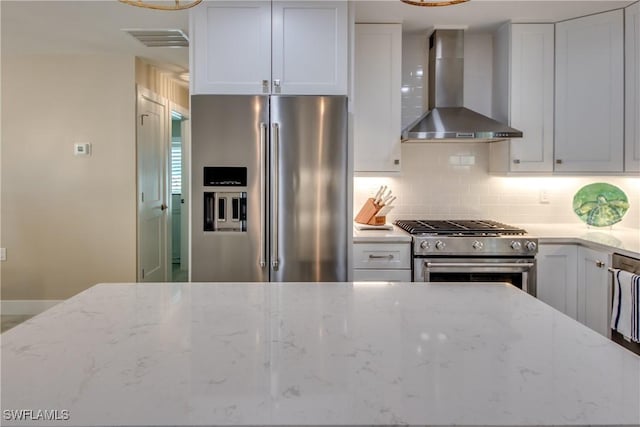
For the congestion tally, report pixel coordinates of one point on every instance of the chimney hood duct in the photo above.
(447, 120)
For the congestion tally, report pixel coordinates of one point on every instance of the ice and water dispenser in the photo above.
(224, 209)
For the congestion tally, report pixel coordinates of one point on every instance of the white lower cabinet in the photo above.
(381, 275)
(574, 279)
(594, 295)
(557, 283)
(388, 262)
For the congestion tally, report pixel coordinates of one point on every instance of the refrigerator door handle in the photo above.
(262, 243)
(275, 262)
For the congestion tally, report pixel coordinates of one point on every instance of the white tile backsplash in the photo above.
(434, 184)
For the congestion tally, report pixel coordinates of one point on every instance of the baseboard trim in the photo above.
(15, 307)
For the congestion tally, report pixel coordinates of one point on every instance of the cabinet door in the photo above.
(310, 48)
(589, 94)
(382, 256)
(532, 78)
(594, 295)
(557, 277)
(381, 275)
(632, 88)
(231, 47)
(377, 107)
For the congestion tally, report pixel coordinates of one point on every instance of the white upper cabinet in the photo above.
(377, 110)
(310, 47)
(589, 133)
(632, 88)
(259, 47)
(525, 76)
(231, 47)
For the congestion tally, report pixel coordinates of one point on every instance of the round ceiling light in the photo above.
(163, 5)
(433, 3)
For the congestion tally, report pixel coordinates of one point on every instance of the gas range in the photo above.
(472, 251)
(468, 238)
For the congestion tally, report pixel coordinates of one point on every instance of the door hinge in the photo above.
(142, 195)
(143, 273)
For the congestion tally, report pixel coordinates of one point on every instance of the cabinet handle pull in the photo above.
(381, 256)
(275, 218)
(600, 264)
(516, 161)
(263, 215)
(276, 85)
(265, 86)
(558, 161)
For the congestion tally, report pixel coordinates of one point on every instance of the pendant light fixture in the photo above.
(163, 5)
(433, 3)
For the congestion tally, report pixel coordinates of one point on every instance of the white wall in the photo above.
(451, 180)
(67, 222)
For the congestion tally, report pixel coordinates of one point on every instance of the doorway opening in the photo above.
(179, 212)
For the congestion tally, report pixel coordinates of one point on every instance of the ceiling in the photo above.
(479, 15)
(84, 26)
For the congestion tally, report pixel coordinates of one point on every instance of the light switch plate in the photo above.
(82, 149)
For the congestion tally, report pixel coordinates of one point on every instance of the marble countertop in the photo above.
(321, 354)
(395, 235)
(621, 240)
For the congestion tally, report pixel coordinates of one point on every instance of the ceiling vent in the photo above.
(160, 38)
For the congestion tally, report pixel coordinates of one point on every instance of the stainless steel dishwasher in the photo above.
(622, 262)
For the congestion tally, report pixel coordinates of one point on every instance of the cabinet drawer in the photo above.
(382, 255)
(381, 275)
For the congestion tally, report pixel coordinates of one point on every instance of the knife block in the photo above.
(367, 214)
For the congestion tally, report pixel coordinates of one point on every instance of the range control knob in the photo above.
(424, 245)
(440, 245)
(531, 246)
(477, 245)
(516, 246)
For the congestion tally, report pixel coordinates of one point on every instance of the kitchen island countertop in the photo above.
(309, 353)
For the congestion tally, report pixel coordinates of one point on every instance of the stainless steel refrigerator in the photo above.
(269, 188)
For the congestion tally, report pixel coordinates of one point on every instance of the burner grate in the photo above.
(458, 227)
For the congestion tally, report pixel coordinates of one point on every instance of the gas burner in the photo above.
(459, 228)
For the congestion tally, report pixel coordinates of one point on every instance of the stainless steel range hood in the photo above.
(447, 120)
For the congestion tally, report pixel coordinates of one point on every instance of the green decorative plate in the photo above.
(600, 204)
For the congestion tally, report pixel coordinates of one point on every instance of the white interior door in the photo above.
(152, 141)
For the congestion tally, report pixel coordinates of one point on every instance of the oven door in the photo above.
(520, 272)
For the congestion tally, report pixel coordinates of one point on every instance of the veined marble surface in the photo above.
(395, 235)
(321, 354)
(622, 240)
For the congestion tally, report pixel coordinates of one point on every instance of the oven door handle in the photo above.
(484, 265)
